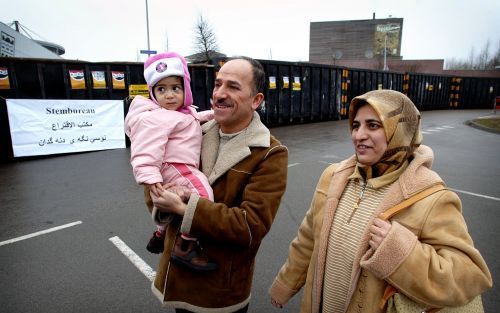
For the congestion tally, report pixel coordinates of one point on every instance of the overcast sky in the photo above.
(115, 30)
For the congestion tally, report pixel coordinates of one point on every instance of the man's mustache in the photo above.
(220, 101)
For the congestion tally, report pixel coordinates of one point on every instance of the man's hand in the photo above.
(183, 192)
(170, 202)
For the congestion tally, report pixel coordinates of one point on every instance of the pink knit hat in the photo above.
(164, 65)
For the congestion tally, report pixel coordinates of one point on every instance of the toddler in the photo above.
(165, 136)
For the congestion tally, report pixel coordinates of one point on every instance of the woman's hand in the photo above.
(276, 304)
(378, 231)
(170, 202)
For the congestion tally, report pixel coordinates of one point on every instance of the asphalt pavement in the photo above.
(73, 228)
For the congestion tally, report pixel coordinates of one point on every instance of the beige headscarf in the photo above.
(401, 121)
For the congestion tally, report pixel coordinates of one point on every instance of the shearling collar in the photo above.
(380, 181)
(415, 177)
(238, 148)
(419, 176)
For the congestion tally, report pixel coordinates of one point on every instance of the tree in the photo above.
(484, 56)
(482, 61)
(495, 59)
(205, 40)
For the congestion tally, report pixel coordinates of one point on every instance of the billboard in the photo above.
(390, 32)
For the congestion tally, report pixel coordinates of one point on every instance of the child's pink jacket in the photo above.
(159, 136)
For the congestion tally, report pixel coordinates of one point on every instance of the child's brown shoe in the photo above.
(189, 254)
(155, 244)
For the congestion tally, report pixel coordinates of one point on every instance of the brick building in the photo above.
(333, 41)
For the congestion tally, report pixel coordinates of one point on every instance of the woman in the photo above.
(344, 255)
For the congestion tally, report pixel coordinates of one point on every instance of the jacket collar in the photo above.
(408, 178)
(417, 177)
(238, 148)
(380, 181)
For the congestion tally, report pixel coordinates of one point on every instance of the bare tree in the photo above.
(484, 56)
(482, 61)
(205, 40)
(495, 59)
(470, 63)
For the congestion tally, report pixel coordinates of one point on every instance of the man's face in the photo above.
(233, 98)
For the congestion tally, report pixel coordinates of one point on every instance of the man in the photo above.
(247, 169)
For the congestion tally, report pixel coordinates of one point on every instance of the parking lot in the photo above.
(73, 228)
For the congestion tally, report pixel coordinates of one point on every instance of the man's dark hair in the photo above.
(259, 76)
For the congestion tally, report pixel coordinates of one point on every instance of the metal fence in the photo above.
(296, 92)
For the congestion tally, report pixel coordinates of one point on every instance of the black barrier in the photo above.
(361, 81)
(269, 113)
(325, 112)
(202, 84)
(478, 93)
(6, 153)
(315, 94)
(284, 95)
(306, 95)
(295, 92)
(430, 92)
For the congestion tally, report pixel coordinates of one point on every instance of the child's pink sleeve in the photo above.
(205, 116)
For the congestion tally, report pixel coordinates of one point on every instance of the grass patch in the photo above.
(493, 123)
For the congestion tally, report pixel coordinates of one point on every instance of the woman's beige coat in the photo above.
(440, 268)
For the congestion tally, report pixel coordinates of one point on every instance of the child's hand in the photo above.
(169, 202)
(156, 189)
(181, 191)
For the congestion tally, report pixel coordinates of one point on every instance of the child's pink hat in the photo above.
(164, 65)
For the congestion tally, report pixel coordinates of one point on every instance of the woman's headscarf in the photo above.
(401, 121)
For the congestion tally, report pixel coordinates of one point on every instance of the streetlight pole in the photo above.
(385, 53)
(147, 23)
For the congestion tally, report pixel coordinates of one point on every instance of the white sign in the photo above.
(41, 127)
(7, 45)
(387, 28)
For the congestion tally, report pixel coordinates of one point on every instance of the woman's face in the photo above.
(368, 136)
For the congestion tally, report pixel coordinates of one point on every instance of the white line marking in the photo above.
(449, 127)
(476, 194)
(425, 133)
(324, 162)
(440, 128)
(331, 156)
(432, 130)
(293, 164)
(38, 233)
(143, 267)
